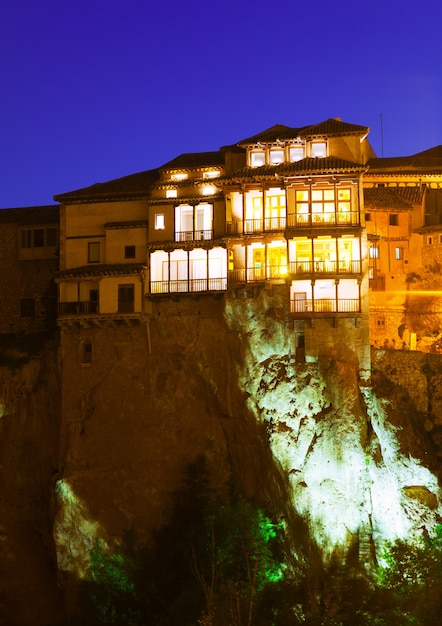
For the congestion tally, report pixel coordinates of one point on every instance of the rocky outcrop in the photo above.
(29, 444)
(92, 450)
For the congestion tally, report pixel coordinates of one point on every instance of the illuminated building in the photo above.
(403, 216)
(281, 210)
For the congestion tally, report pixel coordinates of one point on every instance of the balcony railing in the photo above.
(188, 286)
(193, 235)
(325, 267)
(78, 308)
(326, 305)
(268, 224)
(254, 275)
(299, 220)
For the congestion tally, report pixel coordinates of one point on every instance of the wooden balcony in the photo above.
(195, 285)
(194, 235)
(247, 227)
(256, 275)
(78, 308)
(312, 220)
(325, 267)
(325, 305)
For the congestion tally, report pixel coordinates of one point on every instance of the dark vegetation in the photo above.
(225, 562)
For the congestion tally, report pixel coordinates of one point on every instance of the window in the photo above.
(296, 153)
(440, 238)
(367, 217)
(39, 238)
(429, 240)
(398, 253)
(180, 176)
(257, 159)
(129, 252)
(374, 252)
(213, 174)
(276, 157)
(193, 222)
(159, 221)
(93, 254)
(319, 149)
(393, 219)
(126, 298)
(26, 238)
(27, 307)
(171, 193)
(208, 190)
(86, 352)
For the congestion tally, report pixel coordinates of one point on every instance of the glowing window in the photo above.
(398, 253)
(159, 221)
(93, 255)
(276, 157)
(319, 149)
(208, 190)
(171, 193)
(257, 159)
(374, 252)
(296, 153)
(181, 176)
(213, 174)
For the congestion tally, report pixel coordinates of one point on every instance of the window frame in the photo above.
(91, 256)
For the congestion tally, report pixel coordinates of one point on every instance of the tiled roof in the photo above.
(403, 166)
(330, 127)
(431, 152)
(384, 198)
(135, 185)
(278, 131)
(195, 159)
(100, 270)
(31, 215)
(185, 199)
(303, 167)
(333, 126)
(434, 228)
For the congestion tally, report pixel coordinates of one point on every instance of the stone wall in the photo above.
(413, 382)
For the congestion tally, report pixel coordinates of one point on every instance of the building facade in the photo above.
(310, 212)
(28, 263)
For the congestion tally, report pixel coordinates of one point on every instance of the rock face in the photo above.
(29, 441)
(103, 447)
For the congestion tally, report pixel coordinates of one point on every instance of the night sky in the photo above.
(96, 89)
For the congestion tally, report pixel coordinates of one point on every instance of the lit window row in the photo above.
(291, 154)
(207, 190)
(179, 176)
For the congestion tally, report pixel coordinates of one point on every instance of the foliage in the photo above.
(410, 581)
(219, 562)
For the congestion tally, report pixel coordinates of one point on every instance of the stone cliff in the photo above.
(91, 450)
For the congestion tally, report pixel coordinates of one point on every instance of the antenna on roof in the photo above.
(382, 137)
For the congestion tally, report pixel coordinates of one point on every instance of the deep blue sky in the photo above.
(96, 89)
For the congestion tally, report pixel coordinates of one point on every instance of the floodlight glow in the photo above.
(316, 423)
(75, 532)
